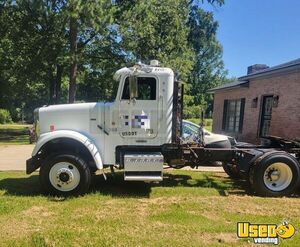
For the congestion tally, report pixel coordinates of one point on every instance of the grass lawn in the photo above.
(186, 209)
(14, 134)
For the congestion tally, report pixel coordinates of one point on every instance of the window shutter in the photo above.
(224, 114)
(242, 115)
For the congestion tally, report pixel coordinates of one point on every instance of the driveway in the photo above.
(13, 158)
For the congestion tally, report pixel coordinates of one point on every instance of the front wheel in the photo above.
(64, 175)
(276, 175)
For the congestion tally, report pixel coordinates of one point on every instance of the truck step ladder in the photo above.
(143, 166)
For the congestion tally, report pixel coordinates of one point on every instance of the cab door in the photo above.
(139, 115)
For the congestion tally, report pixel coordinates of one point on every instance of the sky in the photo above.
(257, 32)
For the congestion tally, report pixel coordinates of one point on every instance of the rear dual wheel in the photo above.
(278, 174)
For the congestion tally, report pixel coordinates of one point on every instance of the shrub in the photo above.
(207, 122)
(5, 116)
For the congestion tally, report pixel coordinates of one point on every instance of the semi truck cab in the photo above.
(128, 132)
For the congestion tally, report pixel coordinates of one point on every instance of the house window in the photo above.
(233, 115)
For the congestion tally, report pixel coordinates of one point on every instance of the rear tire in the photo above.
(230, 171)
(276, 175)
(65, 175)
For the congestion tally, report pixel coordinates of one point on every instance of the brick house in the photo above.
(266, 101)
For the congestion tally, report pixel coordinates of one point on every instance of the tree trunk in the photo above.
(73, 51)
(59, 73)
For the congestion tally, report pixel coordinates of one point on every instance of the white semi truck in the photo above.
(140, 132)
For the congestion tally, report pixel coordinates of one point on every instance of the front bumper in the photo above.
(32, 164)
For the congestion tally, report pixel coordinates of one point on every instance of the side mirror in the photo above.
(133, 89)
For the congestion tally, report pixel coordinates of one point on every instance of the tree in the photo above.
(36, 36)
(208, 70)
(49, 48)
(88, 21)
(101, 60)
(152, 30)
(213, 2)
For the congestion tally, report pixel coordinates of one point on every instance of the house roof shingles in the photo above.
(293, 63)
(230, 85)
(243, 80)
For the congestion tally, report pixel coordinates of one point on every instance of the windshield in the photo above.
(192, 129)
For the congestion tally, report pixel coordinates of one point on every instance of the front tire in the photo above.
(276, 175)
(65, 175)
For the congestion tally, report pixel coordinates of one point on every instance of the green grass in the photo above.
(186, 209)
(14, 134)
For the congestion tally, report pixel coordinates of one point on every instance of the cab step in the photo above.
(143, 166)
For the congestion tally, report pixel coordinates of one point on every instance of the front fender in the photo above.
(82, 138)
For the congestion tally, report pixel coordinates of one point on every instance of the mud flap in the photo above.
(31, 165)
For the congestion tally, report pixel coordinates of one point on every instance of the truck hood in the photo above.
(69, 116)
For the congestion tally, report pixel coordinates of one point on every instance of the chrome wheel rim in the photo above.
(278, 176)
(64, 176)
